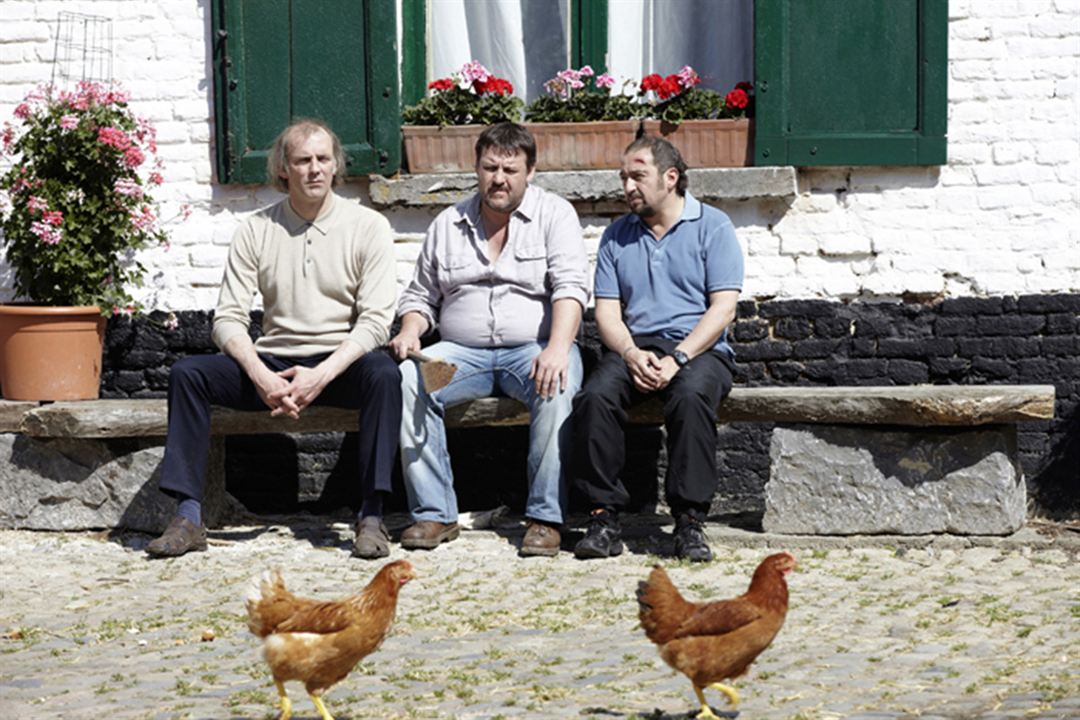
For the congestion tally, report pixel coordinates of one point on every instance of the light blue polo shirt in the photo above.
(664, 284)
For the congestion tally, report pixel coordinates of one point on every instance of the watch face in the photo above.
(680, 358)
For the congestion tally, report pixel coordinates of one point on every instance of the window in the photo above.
(838, 82)
(627, 38)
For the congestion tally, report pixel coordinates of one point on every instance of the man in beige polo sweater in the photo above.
(324, 266)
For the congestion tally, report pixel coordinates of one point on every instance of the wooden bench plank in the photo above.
(920, 406)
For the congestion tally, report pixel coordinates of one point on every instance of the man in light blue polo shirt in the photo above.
(668, 277)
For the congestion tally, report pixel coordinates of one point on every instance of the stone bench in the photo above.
(844, 460)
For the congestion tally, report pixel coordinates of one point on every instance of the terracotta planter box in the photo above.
(709, 143)
(582, 146)
(434, 149)
(559, 146)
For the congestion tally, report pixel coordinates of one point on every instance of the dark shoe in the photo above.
(182, 536)
(372, 540)
(540, 539)
(603, 537)
(690, 541)
(428, 534)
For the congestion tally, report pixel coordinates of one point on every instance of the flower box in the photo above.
(435, 149)
(582, 145)
(559, 146)
(709, 143)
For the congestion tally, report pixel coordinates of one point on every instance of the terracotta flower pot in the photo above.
(559, 146)
(709, 143)
(50, 353)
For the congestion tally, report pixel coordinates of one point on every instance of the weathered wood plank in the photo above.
(921, 406)
(11, 413)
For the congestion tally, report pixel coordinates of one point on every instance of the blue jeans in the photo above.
(484, 372)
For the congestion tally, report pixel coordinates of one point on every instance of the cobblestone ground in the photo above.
(878, 628)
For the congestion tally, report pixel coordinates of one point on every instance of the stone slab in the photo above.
(833, 480)
(707, 184)
(79, 484)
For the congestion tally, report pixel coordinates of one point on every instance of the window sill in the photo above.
(596, 186)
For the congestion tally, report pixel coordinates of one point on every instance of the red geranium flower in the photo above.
(494, 85)
(651, 82)
(441, 84)
(669, 87)
(744, 85)
(737, 99)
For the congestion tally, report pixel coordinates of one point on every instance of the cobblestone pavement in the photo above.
(878, 627)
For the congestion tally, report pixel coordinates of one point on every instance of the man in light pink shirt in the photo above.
(503, 276)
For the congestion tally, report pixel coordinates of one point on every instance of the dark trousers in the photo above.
(690, 401)
(372, 385)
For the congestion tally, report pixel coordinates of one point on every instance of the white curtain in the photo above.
(715, 37)
(527, 41)
(523, 41)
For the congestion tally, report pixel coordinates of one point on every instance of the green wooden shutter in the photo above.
(589, 34)
(276, 60)
(850, 83)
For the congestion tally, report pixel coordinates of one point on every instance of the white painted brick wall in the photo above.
(1001, 217)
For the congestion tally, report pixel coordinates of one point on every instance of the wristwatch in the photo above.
(680, 358)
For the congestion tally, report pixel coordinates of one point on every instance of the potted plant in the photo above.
(440, 131)
(76, 207)
(710, 129)
(582, 122)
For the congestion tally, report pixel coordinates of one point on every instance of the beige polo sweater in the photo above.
(322, 283)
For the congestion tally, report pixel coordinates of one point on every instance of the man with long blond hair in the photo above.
(324, 266)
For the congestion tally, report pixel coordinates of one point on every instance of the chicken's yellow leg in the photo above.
(706, 711)
(730, 692)
(286, 705)
(320, 707)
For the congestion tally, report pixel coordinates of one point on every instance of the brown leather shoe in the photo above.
(540, 539)
(372, 540)
(182, 536)
(428, 534)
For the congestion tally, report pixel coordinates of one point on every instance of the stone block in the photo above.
(79, 484)
(846, 480)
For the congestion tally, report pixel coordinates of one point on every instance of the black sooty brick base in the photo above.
(1032, 339)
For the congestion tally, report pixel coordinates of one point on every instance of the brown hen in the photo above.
(319, 642)
(714, 641)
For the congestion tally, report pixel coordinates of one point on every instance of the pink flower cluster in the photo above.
(473, 72)
(128, 187)
(46, 233)
(143, 218)
(114, 137)
(567, 81)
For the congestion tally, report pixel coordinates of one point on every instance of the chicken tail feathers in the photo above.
(661, 608)
(268, 603)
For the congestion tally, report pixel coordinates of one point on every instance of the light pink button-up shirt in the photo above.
(478, 303)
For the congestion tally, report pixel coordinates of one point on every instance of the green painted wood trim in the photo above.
(413, 51)
(220, 72)
(770, 109)
(383, 103)
(589, 34)
(934, 79)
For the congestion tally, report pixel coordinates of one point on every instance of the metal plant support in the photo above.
(83, 51)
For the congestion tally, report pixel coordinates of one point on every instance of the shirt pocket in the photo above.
(460, 269)
(531, 264)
